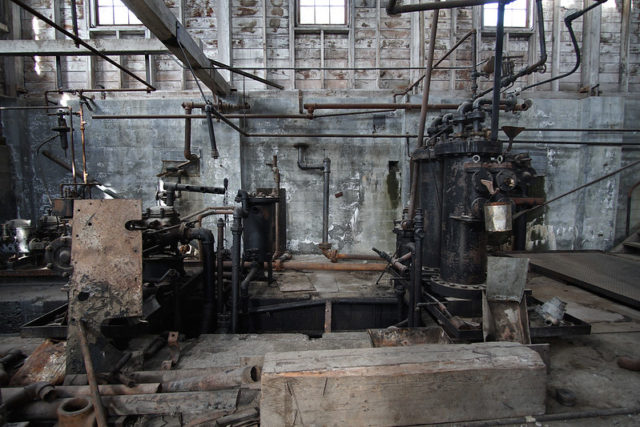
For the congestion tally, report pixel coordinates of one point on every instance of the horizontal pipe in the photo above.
(216, 381)
(379, 106)
(304, 265)
(393, 9)
(84, 391)
(35, 107)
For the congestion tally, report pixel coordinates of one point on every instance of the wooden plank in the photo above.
(68, 48)
(402, 385)
(156, 16)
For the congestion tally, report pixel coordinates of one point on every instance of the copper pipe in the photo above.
(312, 107)
(84, 154)
(303, 265)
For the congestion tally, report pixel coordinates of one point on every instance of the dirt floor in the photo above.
(585, 365)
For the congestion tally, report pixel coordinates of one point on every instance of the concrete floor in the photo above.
(586, 365)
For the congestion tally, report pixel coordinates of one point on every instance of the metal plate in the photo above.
(607, 275)
(107, 271)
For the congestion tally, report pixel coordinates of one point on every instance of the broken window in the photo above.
(322, 12)
(114, 12)
(516, 15)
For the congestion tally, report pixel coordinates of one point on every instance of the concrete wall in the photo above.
(372, 173)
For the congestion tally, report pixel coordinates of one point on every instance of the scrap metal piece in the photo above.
(552, 311)
(107, 275)
(506, 278)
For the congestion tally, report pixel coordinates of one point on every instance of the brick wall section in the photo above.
(261, 38)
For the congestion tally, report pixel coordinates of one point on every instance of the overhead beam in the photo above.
(68, 47)
(157, 17)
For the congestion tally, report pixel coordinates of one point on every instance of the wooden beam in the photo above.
(411, 385)
(68, 48)
(156, 16)
(590, 67)
(625, 35)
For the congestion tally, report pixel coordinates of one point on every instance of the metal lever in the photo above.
(212, 136)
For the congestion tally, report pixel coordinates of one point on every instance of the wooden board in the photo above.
(107, 272)
(420, 384)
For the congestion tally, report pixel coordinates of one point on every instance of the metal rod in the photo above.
(445, 56)
(80, 41)
(415, 170)
(84, 153)
(497, 72)
(245, 74)
(36, 107)
(377, 106)
(101, 417)
(394, 9)
(609, 175)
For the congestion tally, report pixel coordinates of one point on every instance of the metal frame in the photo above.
(527, 29)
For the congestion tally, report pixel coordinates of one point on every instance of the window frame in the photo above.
(528, 29)
(94, 22)
(326, 27)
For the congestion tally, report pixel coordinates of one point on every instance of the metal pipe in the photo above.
(415, 170)
(187, 135)
(229, 378)
(497, 72)
(629, 196)
(445, 56)
(236, 230)
(84, 153)
(207, 243)
(80, 41)
(394, 9)
(73, 149)
(615, 172)
(245, 74)
(244, 286)
(304, 265)
(101, 417)
(62, 164)
(418, 235)
(376, 106)
(326, 171)
(35, 107)
(220, 268)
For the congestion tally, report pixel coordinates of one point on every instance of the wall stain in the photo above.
(393, 185)
(249, 28)
(246, 11)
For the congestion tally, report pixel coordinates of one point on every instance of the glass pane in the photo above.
(133, 19)
(322, 15)
(518, 18)
(105, 3)
(306, 15)
(337, 16)
(306, 2)
(105, 16)
(322, 2)
(337, 3)
(121, 15)
(490, 17)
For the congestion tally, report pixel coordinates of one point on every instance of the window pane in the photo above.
(105, 3)
(306, 15)
(133, 19)
(306, 2)
(337, 3)
(322, 15)
(105, 16)
(121, 15)
(337, 15)
(490, 17)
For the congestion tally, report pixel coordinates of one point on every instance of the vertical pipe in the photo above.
(220, 268)
(84, 153)
(497, 72)
(474, 61)
(236, 230)
(73, 149)
(423, 112)
(417, 265)
(326, 171)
